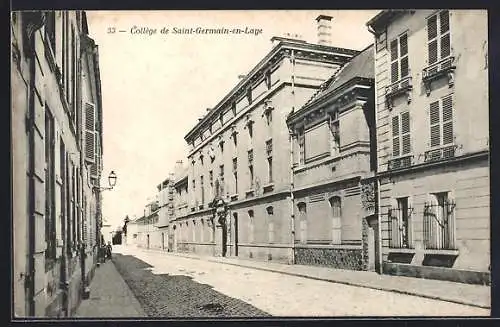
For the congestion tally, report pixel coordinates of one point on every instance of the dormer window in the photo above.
(221, 119)
(233, 107)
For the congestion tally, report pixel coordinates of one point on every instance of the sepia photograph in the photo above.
(229, 164)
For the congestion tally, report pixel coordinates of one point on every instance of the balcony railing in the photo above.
(401, 162)
(439, 226)
(441, 68)
(400, 231)
(403, 86)
(443, 153)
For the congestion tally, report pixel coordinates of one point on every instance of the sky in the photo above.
(155, 86)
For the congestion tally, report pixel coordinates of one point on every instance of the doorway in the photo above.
(373, 263)
(163, 241)
(235, 216)
(147, 240)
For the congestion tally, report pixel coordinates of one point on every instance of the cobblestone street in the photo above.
(172, 286)
(177, 295)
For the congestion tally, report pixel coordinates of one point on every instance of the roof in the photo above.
(383, 18)
(182, 175)
(360, 66)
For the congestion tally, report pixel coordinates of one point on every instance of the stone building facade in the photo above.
(239, 181)
(333, 136)
(431, 72)
(56, 160)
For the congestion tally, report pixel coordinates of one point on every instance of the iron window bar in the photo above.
(439, 233)
(401, 162)
(441, 68)
(442, 153)
(403, 86)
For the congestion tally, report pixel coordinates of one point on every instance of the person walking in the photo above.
(108, 250)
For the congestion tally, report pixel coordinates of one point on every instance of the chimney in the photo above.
(324, 29)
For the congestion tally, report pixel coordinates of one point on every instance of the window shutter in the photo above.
(405, 131)
(444, 19)
(435, 124)
(447, 120)
(432, 27)
(90, 140)
(403, 45)
(404, 67)
(394, 60)
(395, 134)
(445, 45)
(433, 52)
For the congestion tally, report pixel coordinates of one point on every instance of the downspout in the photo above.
(292, 204)
(377, 185)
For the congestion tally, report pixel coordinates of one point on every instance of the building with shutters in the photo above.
(56, 160)
(333, 170)
(148, 231)
(431, 77)
(239, 198)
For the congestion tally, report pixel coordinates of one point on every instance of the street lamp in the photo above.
(111, 180)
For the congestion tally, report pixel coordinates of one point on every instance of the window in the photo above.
(269, 117)
(193, 231)
(250, 226)
(336, 214)
(439, 222)
(335, 132)
(221, 119)
(268, 79)
(303, 222)
(250, 167)
(221, 177)
(235, 174)
(202, 231)
(202, 188)
(233, 108)
(249, 95)
(211, 180)
(401, 134)
(50, 217)
(441, 122)
(234, 135)
(399, 58)
(438, 36)
(301, 141)
(270, 224)
(269, 152)
(400, 224)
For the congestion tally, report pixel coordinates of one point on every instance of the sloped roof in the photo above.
(360, 66)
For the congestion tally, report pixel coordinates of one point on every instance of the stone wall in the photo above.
(341, 258)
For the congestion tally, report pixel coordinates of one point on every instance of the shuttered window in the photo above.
(438, 36)
(401, 138)
(90, 133)
(399, 58)
(441, 121)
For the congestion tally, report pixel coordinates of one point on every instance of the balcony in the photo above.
(403, 86)
(400, 163)
(444, 67)
(443, 153)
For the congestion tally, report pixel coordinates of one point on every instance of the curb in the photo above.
(387, 289)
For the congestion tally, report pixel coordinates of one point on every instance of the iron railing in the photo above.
(439, 226)
(440, 154)
(402, 162)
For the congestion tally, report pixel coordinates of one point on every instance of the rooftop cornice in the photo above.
(353, 86)
(278, 52)
(384, 18)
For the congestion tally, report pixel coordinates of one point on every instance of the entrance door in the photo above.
(147, 241)
(224, 240)
(373, 244)
(163, 241)
(235, 216)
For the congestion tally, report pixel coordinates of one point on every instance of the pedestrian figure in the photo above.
(108, 250)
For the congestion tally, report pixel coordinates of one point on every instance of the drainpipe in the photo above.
(292, 206)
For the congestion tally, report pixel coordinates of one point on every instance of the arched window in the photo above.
(193, 231)
(202, 231)
(250, 226)
(336, 218)
(270, 224)
(303, 221)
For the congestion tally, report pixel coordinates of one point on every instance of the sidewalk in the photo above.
(473, 295)
(110, 296)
